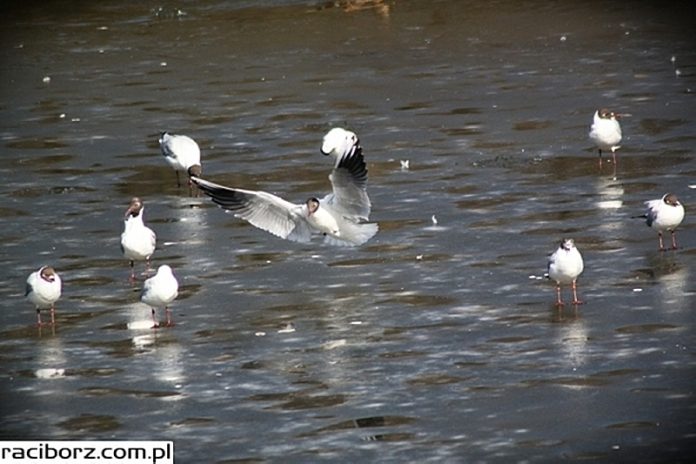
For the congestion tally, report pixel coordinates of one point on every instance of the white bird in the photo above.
(137, 240)
(159, 291)
(564, 266)
(605, 132)
(340, 216)
(43, 290)
(349, 177)
(664, 214)
(182, 153)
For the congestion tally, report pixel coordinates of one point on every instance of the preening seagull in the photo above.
(43, 290)
(182, 153)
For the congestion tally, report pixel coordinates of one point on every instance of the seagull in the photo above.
(349, 177)
(43, 289)
(340, 216)
(160, 290)
(564, 266)
(182, 153)
(664, 214)
(605, 132)
(137, 240)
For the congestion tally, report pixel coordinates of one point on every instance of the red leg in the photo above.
(559, 302)
(674, 240)
(576, 301)
(38, 317)
(155, 324)
(659, 236)
(148, 267)
(53, 315)
(193, 190)
(169, 317)
(600, 159)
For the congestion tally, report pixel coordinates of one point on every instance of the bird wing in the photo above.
(349, 183)
(147, 287)
(651, 211)
(167, 145)
(31, 280)
(550, 262)
(261, 209)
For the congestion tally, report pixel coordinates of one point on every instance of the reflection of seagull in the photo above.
(43, 290)
(137, 240)
(182, 153)
(564, 266)
(340, 216)
(160, 290)
(605, 132)
(664, 214)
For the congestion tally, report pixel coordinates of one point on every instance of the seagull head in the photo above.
(196, 170)
(312, 205)
(338, 142)
(163, 134)
(607, 114)
(48, 274)
(567, 244)
(670, 199)
(164, 269)
(135, 207)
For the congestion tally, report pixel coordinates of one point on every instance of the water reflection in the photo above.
(51, 359)
(572, 337)
(672, 279)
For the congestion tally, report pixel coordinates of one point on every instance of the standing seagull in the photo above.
(664, 214)
(605, 132)
(160, 290)
(182, 154)
(340, 216)
(43, 289)
(564, 266)
(137, 240)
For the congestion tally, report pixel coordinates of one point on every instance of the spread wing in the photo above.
(349, 183)
(261, 209)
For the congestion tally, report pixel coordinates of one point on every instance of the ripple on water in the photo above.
(645, 328)
(363, 422)
(109, 391)
(91, 423)
(46, 143)
(429, 380)
(300, 400)
(35, 192)
(633, 425)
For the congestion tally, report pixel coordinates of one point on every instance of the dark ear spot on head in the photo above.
(195, 170)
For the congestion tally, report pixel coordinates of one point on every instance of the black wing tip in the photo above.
(354, 162)
(225, 197)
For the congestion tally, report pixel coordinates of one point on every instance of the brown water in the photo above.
(432, 342)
